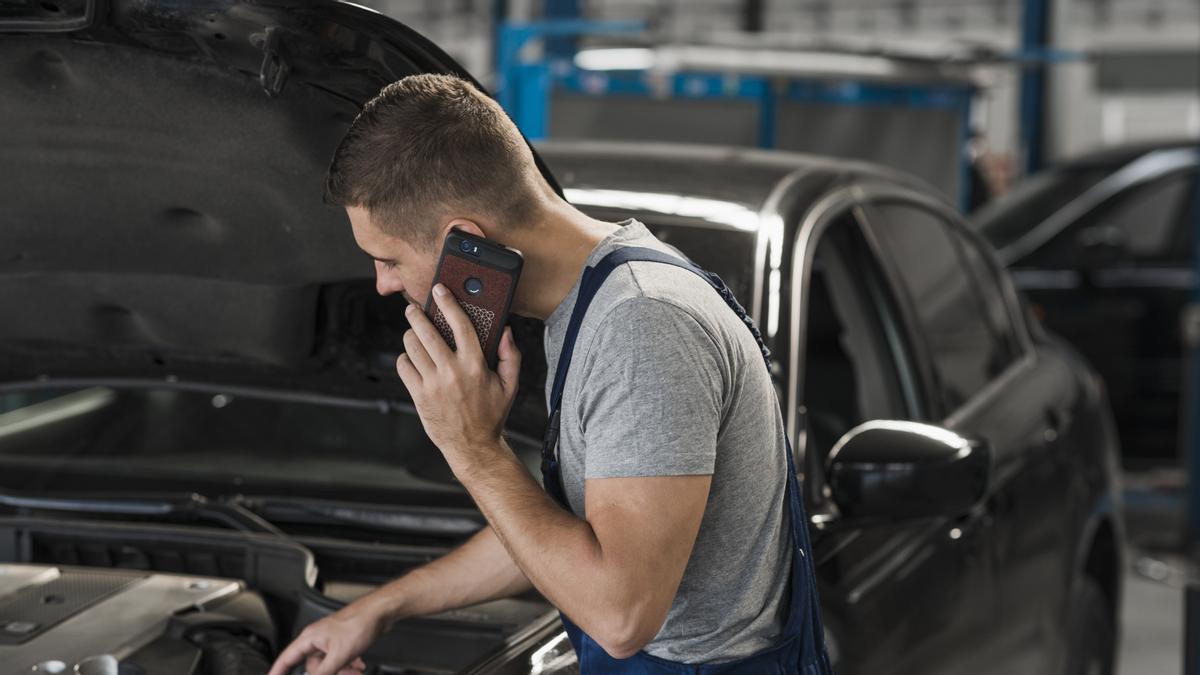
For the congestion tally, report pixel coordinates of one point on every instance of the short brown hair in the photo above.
(426, 146)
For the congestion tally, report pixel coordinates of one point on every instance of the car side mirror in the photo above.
(893, 469)
(1100, 246)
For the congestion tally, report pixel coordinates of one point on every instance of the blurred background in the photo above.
(1015, 110)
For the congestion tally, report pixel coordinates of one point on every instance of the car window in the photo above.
(957, 304)
(1150, 220)
(1006, 220)
(850, 372)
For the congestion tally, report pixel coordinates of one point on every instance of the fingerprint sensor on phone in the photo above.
(473, 286)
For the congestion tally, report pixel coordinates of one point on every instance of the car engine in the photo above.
(102, 597)
(122, 622)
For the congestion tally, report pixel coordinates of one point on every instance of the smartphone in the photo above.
(483, 276)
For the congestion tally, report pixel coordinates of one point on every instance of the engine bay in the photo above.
(123, 598)
(78, 619)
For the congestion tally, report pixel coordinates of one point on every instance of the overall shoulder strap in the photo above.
(593, 279)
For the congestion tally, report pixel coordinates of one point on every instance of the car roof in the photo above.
(746, 177)
(1123, 154)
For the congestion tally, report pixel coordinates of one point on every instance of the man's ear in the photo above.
(468, 226)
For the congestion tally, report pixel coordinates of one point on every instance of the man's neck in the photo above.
(555, 251)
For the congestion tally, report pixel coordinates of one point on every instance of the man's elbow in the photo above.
(626, 634)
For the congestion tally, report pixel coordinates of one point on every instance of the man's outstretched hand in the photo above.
(462, 403)
(332, 645)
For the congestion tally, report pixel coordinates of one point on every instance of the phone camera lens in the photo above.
(473, 286)
(465, 246)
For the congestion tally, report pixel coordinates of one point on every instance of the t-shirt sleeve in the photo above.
(651, 400)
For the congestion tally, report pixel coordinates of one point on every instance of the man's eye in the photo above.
(387, 264)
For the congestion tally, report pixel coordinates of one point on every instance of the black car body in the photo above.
(1103, 247)
(879, 304)
(201, 428)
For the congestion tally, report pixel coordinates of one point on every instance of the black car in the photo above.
(1103, 247)
(879, 304)
(204, 446)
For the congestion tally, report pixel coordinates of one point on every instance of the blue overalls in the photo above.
(801, 647)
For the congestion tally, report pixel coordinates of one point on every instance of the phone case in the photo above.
(495, 269)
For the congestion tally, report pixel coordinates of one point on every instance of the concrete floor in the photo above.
(1152, 621)
(1152, 616)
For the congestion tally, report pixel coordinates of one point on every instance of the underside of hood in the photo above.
(161, 169)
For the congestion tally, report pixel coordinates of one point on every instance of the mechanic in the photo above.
(670, 530)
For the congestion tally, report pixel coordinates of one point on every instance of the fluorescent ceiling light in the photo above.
(625, 58)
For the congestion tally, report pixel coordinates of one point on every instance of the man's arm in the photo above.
(614, 574)
(479, 570)
(651, 453)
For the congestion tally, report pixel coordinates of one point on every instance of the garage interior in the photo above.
(1062, 135)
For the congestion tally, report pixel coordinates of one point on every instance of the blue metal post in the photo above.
(499, 18)
(1191, 326)
(563, 47)
(512, 74)
(1035, 34)
(533, 101)
(964, 152)
(767, 104)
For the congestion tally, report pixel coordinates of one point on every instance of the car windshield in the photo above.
(1009, 218)
(110, 439)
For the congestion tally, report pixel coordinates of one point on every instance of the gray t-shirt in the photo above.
(666, 380)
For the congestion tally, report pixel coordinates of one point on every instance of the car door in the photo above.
(1113, 283)
(989, 383)
(900, 596)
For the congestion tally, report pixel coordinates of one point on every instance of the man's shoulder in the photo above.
(644, 287)
(660, 281)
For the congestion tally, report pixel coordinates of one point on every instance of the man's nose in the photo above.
(386, 282)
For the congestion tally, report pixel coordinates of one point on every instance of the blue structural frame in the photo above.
(1035, 34)
(525, 87)
(563, 47)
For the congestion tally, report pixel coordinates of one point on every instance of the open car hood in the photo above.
(161, 169)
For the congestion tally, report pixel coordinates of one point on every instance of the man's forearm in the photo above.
(479, 570)
(558, 551)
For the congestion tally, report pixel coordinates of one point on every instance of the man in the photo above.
(678, 544)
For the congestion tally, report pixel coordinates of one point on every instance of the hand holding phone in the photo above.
(482, 276)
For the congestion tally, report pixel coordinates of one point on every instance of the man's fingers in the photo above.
(435, 345)
(333, 663)
(408, 373)
(359, 664)
(509, 367)
(417, 354)
(294, 654)
(460, 324)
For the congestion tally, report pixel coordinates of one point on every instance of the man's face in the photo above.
(399, 267)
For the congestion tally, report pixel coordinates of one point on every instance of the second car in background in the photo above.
(1103, 247)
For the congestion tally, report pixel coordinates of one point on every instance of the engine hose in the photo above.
(229, 654)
